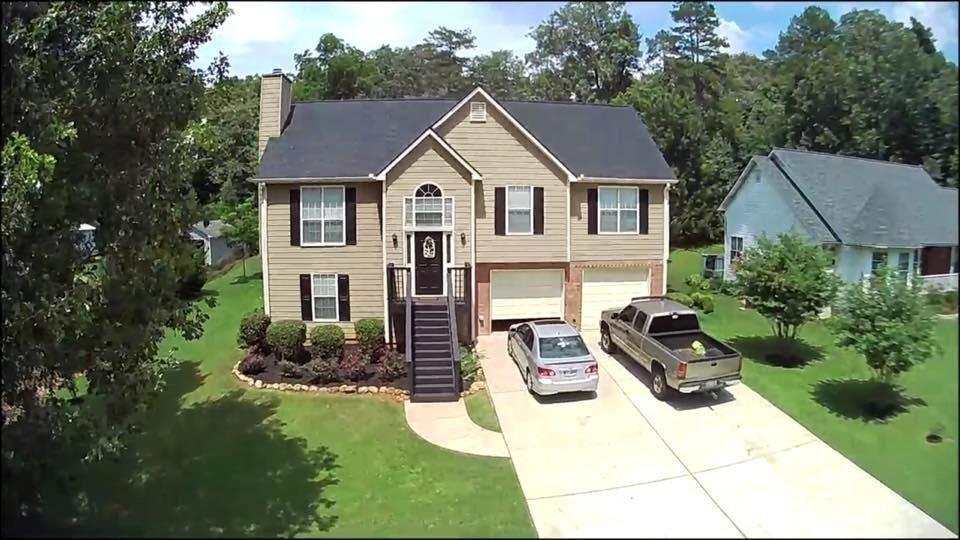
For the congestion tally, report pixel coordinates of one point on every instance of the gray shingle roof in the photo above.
(812, 224)
(355, 138)
(871, 202)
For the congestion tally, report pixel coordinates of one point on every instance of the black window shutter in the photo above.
(343, 292)
(295, 217)
(350, 196)
(538, 210)
(306, 297)
(592, 211)
(500, 211)
(644, 217)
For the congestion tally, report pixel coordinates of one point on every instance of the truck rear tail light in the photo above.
(682, 371)
(545, 372)
(592, 368)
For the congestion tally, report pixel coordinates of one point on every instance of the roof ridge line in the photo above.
(780, 167)
(365, 100)
(818, 152)
(558, 102)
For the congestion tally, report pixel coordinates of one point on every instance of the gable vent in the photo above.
(478, 111)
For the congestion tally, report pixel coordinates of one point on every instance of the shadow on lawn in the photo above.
(244, 279)
(220, 467)
(777, 352)
(867, 400)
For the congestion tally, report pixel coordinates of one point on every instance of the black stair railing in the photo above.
(454, 340)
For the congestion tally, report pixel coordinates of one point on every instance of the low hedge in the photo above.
(326, 341)
(253, 329)
(369, 335)
(286, 338)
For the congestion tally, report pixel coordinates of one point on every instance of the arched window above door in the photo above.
(428, 208)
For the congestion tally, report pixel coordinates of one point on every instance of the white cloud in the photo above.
(765, 6)
(737, 37)
(941, 17)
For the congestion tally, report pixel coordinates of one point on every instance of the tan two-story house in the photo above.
(554, 209)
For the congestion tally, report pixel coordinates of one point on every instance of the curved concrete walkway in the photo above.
(448, 425)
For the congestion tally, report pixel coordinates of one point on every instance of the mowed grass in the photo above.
(216, 458)
(480, 409)
(827, 394)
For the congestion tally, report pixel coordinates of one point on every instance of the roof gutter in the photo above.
(315, 180)
(612, 180)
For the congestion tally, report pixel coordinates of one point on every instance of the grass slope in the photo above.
(216, 458)
(480, 409)
(827, 393)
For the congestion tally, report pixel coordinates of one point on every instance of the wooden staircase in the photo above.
(436, 364)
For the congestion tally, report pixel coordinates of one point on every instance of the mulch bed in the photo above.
(272, 374)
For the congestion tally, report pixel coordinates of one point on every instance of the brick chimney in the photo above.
(275, 90)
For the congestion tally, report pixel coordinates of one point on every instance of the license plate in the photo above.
(710, 384)
(568, 372)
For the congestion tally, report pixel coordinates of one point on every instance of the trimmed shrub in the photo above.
(393, 366)
(253, 329)
(253, 365)
(323, 369)
(353, 365)
(286, 338)
(326, 341)
(369, 335)
(290, 369)
(696, 282)
(681, 297)
(470, 365)
(702, 301)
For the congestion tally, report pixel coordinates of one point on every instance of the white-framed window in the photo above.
(903, 265)
(519, 210)
(619, 210)
(428, 208)
(326, 305)
(478, 111)
(877, 260)
(736, 248)
(322, 216)
(916, 262)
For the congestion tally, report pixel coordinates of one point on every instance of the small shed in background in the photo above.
(210, 238)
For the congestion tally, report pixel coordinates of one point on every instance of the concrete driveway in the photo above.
(624, 464)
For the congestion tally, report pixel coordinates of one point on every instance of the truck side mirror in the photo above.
(622, 317)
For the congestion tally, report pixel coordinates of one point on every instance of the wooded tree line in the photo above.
(863, 85)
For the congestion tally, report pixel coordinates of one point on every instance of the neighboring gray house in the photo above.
(869, 212)
(214, 245)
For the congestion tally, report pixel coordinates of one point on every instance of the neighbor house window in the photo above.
(878, 260)
(903, 265)
(325, 297)
(321, 215)
(736, 247)
(519, 210)
(619, 209)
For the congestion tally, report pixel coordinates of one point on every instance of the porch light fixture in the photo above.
(463, 239)
(394, 239)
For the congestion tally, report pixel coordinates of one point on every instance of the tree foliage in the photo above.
(788, 281)
(96, 98)
(242, 228)
(888, 322)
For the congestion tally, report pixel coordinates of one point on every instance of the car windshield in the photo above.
(559, 348)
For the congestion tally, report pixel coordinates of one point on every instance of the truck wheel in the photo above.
(606, 342)
(658, 385)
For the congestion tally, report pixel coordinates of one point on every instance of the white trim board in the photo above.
(474, 175)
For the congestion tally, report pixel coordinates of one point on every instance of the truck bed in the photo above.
(680, 345)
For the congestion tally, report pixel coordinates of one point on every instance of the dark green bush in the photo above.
(702, 301)
(326, 341)
(323, 369)
(696, 282)
(393, 366)
(949, 302)
(286, 339)
(290, 369)
(253, 365)
(369, 335)
(469, 365)
(194, 276)
(253, 329)
(681, 297)
(353, 365)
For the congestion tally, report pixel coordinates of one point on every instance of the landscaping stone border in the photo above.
(398, 393)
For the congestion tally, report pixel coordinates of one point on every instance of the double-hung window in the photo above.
(619, 210)
(903, 265)
(322, 216)
(519, 210)
(736, 248)
(877, 261)
(325, 304)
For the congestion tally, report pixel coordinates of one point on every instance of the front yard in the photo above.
(219, 459)
(825, 395)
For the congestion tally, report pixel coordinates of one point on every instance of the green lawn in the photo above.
(480, 409)
(826, 396)
(686, 262)
(216, 458)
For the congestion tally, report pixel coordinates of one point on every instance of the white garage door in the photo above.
(526, 294)
(605, 288)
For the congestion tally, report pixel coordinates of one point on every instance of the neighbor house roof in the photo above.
(357, 138)
(863, 201)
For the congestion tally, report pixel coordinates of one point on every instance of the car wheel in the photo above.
(606, 342)
(658, 385)
(530, 383)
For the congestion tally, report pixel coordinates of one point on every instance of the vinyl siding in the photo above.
(362, 262)
(505, 157)
(428, 163)
(614, 247)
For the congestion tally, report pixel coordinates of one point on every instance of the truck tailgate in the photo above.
(712, 368)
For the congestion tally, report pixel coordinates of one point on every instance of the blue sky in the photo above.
(260, 36)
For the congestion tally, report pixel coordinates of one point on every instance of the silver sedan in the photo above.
(552, 357)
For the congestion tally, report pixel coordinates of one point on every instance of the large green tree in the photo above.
(588, 50)
(95, 100)
(333, 70)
